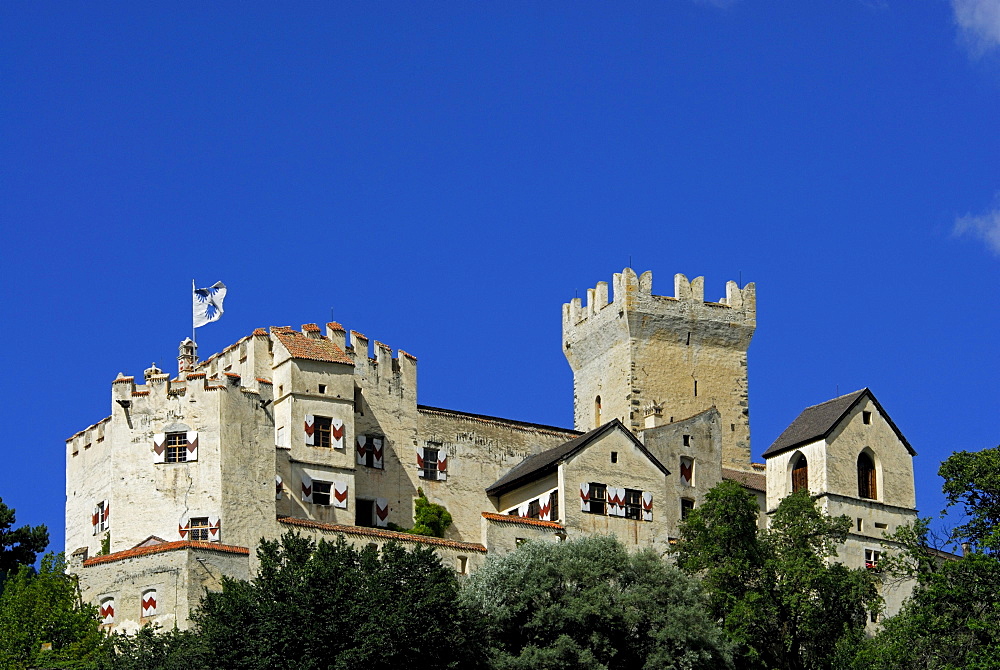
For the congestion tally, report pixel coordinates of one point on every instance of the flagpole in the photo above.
(193, 340)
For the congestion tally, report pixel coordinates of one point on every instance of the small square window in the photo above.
(177, 450)
(598, 498)
(321, 493)
(633, 504)
(322, 388)
(614, 456)
(872, 557)
(199, 529)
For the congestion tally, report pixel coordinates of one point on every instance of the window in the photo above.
(199, 529)
(148, 602)
(554, 505)
(100, 517)
(534, 509)
(687, 471)
(321, 493)
(597, 411)
(687, 440)
(322, 388)
(177, 448)
(866, 418)
(614, 456)
(633, 504)
(867, 484)
(429, 469)
(872, 557)
(370, 451)
(322, 425)
(695, 388)
(364, 513)
(359, 406)
(462, 565)
(598, 498)
(686, 506)
(860, 525)
(800, 474)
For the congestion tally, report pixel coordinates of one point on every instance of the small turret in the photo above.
(187, 356)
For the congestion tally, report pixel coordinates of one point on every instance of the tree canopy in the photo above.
(19, 546)
(779, 598)
(590, 603)
(972, 480)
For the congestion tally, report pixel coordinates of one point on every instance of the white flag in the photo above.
(208, 303)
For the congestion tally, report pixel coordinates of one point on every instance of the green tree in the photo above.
(329, 605)
(45, 608)
(972, 479)
(429, 519)
(590, 603)
(152, 649)
(780, 599)
(18, 546)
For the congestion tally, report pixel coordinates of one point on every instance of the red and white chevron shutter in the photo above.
(95, 518)
(214, 529)
(687, 470)
(149, 602)
(307, 488)
(621, 501)
(522, 509)
(420, 458)
(340, 495)
(279, 487)
(310, 429)
(381, 512)
(615, 495)
(545, 508)
(378, 452)
(183, 529)
(192, 438)
(584, 497)
(160, 448)
(361, 449)
(107, 611)
(105, 515)
(337, 433)
(442, 464)
(647, 506)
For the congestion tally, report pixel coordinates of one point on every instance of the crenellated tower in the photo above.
(633, 350)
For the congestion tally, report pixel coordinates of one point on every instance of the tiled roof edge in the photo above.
(166, 546)
(383, 534)
(507, 518)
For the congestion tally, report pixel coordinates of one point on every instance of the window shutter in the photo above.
(337, 433)
(381, 512)
(95, 518)
(182, 530)
(584, 497)
(616, 501)
(310, 429)
(361, 449)
(522, 510)
(545, 508)
(687, 470)
(160, 448)
(647, 506)
(442, 464)
(149, 603)
(105, 514)
(279, 487)
(340, 495)
(621, 502)
(192, 438)
(107, 611)
(420, 458)
(214, 529)
(307, 488)
(378, 452)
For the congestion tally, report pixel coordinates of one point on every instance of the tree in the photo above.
(972, 479)
(18, 546)
(329, 605)
(152, 649)
(590, 603)
(779, 598)
(429, 518)
(45, 608)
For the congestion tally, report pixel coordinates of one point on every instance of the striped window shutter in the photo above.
(420, 458)
(340, 495)
(584, 497)
(105, 514)
(647, 506)
(621, 502)
(614, 502)
(160, 448)
(107, 611)
(545, 508)
(442, 464)
(279, 487)
(522, 509)
(149, 602)
(337, 433)
(307, 488)
(182, 529)
(192, 438)
(310, 429)
(378, 452)
(361, 449)
(214, 529)
(95, 518)
(687, 470)
(381, 512)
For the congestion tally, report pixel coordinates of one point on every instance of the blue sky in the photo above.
(443, 176)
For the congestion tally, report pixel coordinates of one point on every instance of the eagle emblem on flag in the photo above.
(208, 303)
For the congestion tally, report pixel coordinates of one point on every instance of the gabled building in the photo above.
(319, 431)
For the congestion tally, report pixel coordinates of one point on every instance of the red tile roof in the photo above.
(310, 327)
(355, 335)
(383, 345)
(333, 325)
(507, 518)
(383, 534)
(166, 546)
(308, 348)
(123, 380)
(196, 375)
(231, 374)
(135, 393)
(259, 332)
(410, 356)
(263, 381)
(750, 480)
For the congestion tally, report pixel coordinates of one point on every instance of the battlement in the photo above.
(634, 293)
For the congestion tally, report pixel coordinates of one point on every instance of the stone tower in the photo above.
(680, 353)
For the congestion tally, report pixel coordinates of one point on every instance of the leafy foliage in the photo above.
(19, 546)
(45, 608)
(780, 600)
(151, 649)
(429, 519)
(590, 603)
(972, 479)
(333, 606)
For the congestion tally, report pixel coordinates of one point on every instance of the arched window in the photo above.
(800, 474)
(597, 411)
(867, 481)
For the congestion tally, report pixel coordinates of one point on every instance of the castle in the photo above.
(314, 431)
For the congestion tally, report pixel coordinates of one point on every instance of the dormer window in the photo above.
(867, 480)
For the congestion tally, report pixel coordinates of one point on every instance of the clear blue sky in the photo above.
(443, 176)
